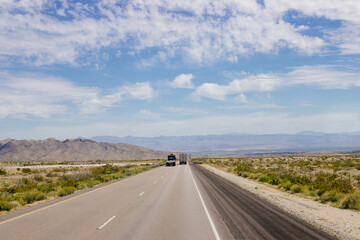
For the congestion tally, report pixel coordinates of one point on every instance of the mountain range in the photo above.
(73, 150)
(244, 143)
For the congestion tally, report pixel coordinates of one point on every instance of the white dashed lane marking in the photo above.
(99, 228)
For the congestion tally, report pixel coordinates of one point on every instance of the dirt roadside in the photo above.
(341, 223)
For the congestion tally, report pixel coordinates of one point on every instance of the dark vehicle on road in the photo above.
(171, 160)
(183, 158)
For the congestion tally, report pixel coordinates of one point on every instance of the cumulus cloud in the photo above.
(44, 96)
(140, 90)
(321, 76)
(42, 32)
(182, 81)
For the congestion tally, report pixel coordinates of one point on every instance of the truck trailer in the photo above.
(183, 158)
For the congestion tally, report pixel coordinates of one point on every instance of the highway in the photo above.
(182, 202)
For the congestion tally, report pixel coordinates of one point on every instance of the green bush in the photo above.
(331, 196)
(270, 178)
(351, 202)
(2, 172)
(40, 197)
(286, 185)
(66, 191)
(69, 182)
(264, 178)
(320, 192)
(311, 193)
(26, 170)
(5, 206)
(29, 197)
(243, 168)
(38, 178)
(297, 188)
(47, 187)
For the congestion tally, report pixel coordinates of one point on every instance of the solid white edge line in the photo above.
(205, 208)
(141, 193)
(99, 228)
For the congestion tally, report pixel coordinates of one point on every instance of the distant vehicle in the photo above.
(183, 158)
(171, 160)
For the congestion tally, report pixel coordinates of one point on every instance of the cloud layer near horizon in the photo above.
(43, 95)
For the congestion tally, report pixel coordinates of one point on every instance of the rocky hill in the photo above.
(73, 150)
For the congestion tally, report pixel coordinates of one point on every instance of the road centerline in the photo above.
(205, 208)
(141, 194)
(109, 220)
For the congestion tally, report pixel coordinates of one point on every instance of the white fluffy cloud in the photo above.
(43, 32)
(44, 96)
(183, 81)
(322, 76)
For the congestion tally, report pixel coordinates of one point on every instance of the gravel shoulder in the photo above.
(341, 223)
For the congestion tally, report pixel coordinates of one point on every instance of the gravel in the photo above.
(341, 223)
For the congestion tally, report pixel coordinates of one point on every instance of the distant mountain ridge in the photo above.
(244, 143)
(73, 150)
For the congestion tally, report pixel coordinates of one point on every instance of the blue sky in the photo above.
(152, 68)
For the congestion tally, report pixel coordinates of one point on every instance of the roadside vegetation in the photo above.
(22, 186)
(328, 179)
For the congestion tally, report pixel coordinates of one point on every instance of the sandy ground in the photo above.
(341, 223)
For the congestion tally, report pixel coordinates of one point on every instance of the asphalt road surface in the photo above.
(182, 202)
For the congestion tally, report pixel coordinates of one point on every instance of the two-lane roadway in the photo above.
(182, 202)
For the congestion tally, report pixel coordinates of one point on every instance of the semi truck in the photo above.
(171, 160)
(183, 158)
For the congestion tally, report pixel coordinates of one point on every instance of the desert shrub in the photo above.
(107, 169)
(264, 178)
(98, 177)
(329, 182)
(40, 196)
(108, 178)
(29, 197)
(297, 188)
(351, 202)
(311, 193)
(51, 174)
(332, 196)
(60, 169)
(286, 185)
(69, 182)
(294, 179)
(342, 186)
(47, 187)
(5, 206)
(26, 170)
(66, 191)
(320, 192)
(81, 186)
(38, 178)
(2, 172)
(270, 178)
(243, 168)
(274, 180)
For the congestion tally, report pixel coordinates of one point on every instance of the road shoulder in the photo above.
(341, 223)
